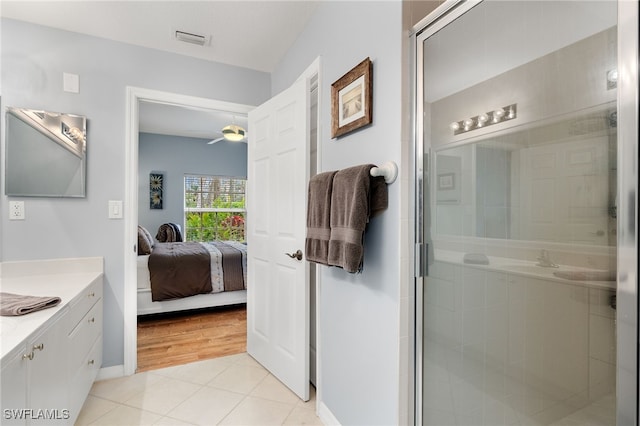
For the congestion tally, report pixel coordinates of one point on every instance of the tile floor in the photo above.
(232, 390)
(600, 413)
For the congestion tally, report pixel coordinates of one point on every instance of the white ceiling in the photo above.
(180, 121)
(249, 34)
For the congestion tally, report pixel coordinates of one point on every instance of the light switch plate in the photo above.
(71, 82)
(16, 210)
(115, 209)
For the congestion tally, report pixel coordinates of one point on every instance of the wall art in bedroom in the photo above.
(156, 181)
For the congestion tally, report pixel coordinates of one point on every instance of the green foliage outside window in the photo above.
(214, 208)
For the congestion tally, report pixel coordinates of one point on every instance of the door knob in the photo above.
(296, 255)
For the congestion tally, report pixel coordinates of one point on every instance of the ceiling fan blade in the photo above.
(214, 141)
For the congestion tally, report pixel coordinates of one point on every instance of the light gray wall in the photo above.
(33, 60)
(359, 313)
(175, 156)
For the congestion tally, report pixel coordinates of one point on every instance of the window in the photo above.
(214, 208)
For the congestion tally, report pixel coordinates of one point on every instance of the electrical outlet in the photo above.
(16, 210)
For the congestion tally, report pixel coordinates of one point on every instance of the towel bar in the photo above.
(388, 169)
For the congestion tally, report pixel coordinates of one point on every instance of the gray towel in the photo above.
(318, 218)
(355, 198)
(17, 304)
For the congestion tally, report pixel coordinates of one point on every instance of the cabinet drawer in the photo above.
(84, 335)
(85, 300)
(81, 380)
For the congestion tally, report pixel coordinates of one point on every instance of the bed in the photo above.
(171, 266)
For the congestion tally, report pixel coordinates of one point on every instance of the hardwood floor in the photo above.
(166, 340)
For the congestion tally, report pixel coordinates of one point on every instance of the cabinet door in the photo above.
(13, 390)
(47, 376)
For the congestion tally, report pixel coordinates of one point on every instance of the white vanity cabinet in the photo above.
(46, 375)
(50, 358)
(14, 387)
(84, 343)
(34, 386)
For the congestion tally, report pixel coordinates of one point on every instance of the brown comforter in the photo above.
(179, 269)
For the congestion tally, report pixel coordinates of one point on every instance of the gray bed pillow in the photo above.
(145, 241)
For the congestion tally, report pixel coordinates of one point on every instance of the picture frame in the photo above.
(446, 181)
(351, 99)
(156, 189)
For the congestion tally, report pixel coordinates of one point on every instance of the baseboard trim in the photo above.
(110, 372)
(326, 416)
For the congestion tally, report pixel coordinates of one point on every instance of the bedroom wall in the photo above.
(175, 156)
(33, 59)
(359, 326)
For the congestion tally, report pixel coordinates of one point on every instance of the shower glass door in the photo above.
(519, 146)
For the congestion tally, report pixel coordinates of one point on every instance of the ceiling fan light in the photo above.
(233, 133)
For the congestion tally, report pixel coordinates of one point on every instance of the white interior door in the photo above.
(278, 285)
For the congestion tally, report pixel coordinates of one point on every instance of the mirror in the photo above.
(548, 181)
(45, 154)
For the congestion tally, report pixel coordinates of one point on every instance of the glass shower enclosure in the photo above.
(517, 186)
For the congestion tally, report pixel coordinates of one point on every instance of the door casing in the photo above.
(134, 96)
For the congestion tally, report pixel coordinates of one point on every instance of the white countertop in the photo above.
(64, 278)
(526, 268)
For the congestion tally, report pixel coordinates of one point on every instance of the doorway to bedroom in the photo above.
(138, 197)
(191, 208)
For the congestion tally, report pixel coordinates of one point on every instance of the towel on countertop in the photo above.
(169, 233)
(356, 197)
(17, 304)
(318, 218)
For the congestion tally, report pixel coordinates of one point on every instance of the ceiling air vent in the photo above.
(200, 40)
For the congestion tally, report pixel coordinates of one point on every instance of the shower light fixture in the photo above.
(485, 119)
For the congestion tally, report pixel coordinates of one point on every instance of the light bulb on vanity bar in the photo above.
(468, 123)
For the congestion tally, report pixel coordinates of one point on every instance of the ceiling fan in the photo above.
(231, 133)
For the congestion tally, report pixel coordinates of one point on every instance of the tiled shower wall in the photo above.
(503, 348)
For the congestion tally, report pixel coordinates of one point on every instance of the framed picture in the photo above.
(446, 181)
(448, 184)
(156, 183)
(351, 99)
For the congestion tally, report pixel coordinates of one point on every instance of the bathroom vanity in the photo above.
(50, 358)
